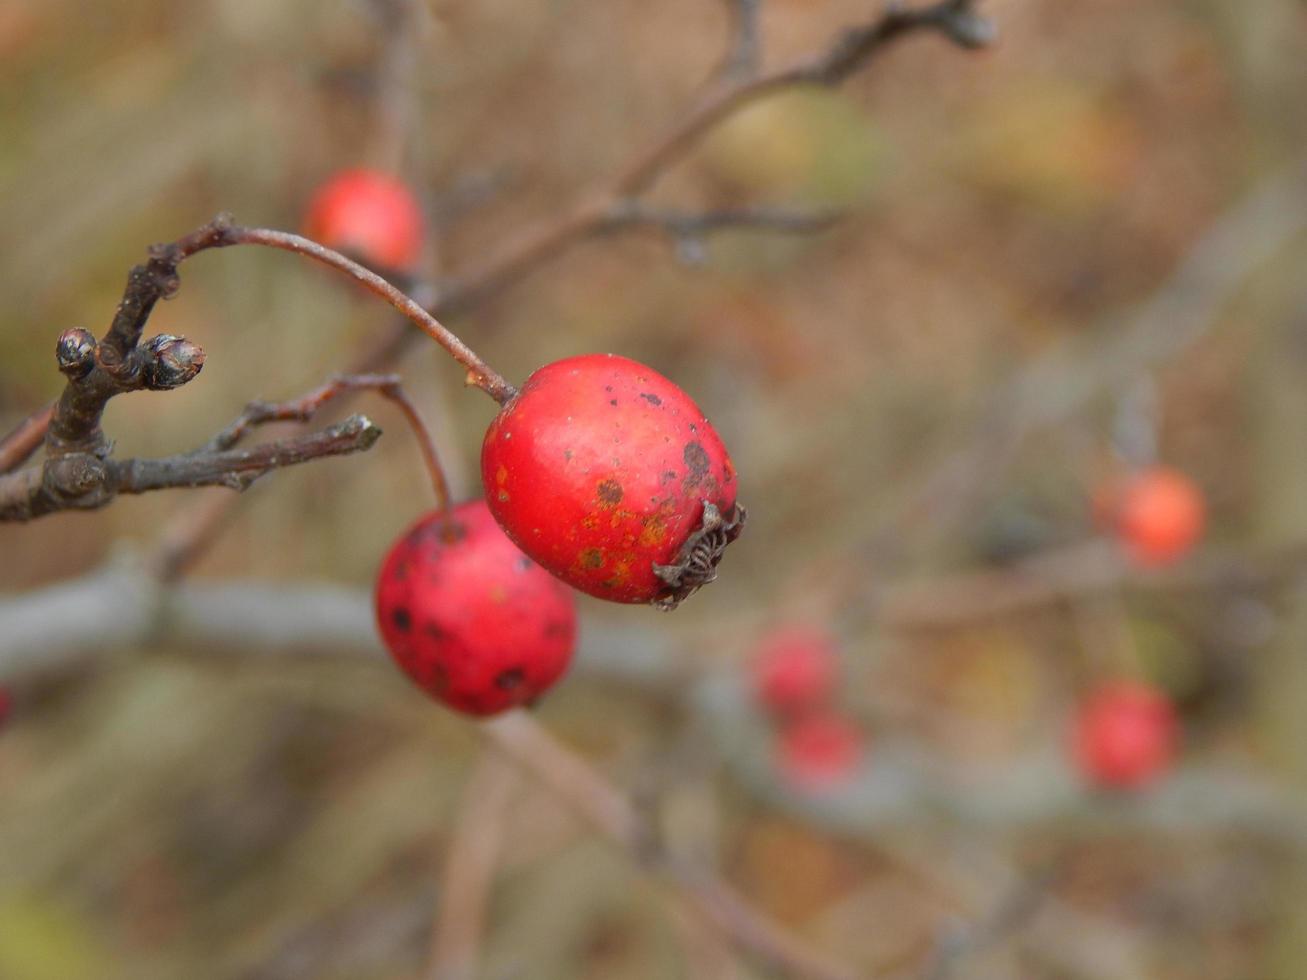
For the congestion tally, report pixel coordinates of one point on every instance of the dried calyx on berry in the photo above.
(471, 620)
(609, 475)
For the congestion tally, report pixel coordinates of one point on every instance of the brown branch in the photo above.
(83, 481)
(303, 409)
(25, 438)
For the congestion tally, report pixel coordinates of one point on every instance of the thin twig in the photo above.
(304, 408)
(25, 438)
(479, 373)
(85, 482)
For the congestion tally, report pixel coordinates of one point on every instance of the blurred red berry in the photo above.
(6, 705)
(795, 670)
(1125, 735)
(609, 476)
(367, 214)
(474, 622)
(1160, 516)
(819, 752)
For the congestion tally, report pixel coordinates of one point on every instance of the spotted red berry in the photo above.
(368, 214)
(609, 476)
(795, 670)
(820, 752)
(1124, 735)
(1160, 516)
(472, 620)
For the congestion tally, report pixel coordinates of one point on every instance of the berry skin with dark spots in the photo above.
(1125, 735)
(370, 215)
(609, 476)
(469, 618)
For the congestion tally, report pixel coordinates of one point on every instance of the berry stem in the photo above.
(305, 407)
(479, 373)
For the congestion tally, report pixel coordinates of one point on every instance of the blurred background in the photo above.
(1060, 260)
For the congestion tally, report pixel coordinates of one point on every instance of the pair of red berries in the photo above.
(1125, 735)
(795, 674)
(600, 473)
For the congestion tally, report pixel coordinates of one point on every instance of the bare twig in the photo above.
(82, 481)
(303, 409)
(25, 438)
(479, 373)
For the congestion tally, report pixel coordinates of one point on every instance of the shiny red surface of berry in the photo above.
(795, 670)
(609, 476)
(820, 752)
(1160, 516)
(367, 214)
(474, 622)
(1125, 735)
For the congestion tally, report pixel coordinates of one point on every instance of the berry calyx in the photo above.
(795, 670)
(368, 214)
(609, 476)
(1124, 735)
(471, 620)
(819, 752)
(1160, 516)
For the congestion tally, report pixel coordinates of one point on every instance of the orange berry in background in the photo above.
(795, 670)
(369, 215)
(1160, 516)
(1124, 735)
(819, 752)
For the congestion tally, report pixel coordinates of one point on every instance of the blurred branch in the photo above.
(25, 438)
(72, 623)
(688, 229)
(469, 871)
(744, 53)
(281, 619)
(518, 736)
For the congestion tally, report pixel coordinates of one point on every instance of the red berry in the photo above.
(474, 622)
(368, 214)
(1160, 516)
(819, 752)
(1125, 735)
(6, 705)
(795, 670)
(610, 477)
